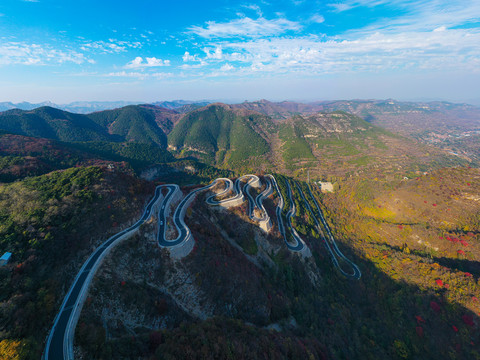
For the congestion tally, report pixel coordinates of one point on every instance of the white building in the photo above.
(325, 186)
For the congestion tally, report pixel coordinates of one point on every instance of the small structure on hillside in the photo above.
(325, 186)
(5, 258)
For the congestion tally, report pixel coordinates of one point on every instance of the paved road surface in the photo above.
(281, 227)
(60, 340)
(330, 241)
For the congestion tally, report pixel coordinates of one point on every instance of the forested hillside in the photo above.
(143, 124)
(50, 224)
(236, 138)
(415, 299)
(134, 123)
(51, 123)
(222, 137)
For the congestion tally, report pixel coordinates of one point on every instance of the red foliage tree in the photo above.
(468, 320)
(419, 319)
(419, 331)
(435, 306)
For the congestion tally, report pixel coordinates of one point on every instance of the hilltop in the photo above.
(51, 123)
(141, 123)
(240, 137)
(86, 107)
(449, 126)
(320, 141)
(222, 136)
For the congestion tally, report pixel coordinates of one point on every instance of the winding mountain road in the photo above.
(59, 344)
(299, 243)
(259, 200)
(330, 242)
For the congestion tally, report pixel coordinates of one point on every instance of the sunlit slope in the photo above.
(221, 136)
(339, 143)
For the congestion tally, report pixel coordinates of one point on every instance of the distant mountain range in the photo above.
(282, 109)
(282, 136)
(85, 107)
(364, 108)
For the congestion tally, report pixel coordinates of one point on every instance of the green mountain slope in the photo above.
(50, 223)
(443, 124)
(138, 155)
(139, 123)
(50, 123)
(330, 144)
(131, 123)
(295, 147)
(322, 140)
(221, 136)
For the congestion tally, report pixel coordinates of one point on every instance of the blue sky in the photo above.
(147, 50)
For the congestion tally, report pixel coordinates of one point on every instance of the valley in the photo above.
(237, 251)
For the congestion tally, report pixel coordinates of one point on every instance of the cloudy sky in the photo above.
(149, 50)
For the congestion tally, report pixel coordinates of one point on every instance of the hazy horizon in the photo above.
(475, 102)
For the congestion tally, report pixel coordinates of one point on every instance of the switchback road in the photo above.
(59, 343)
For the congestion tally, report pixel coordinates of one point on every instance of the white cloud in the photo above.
(418, 14)
(152, 61)
(446, 50)
(149, 62)
(34, 54)
(139, 75)
(441, 28)
(226, 67)
(193, 66)
(350, 4)
(245, 27)
(214, 54)
(162, 75)
(255, 8)
(187, 57)
(135, 63)
(339, 7)
(112, 46)
(317, 19)
(422, 38)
